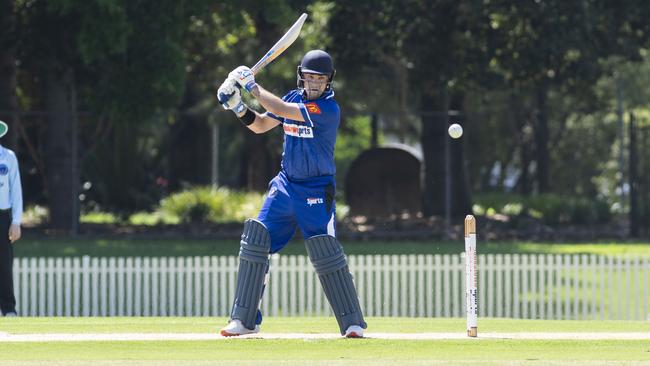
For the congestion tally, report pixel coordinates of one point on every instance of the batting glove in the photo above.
(244, 77)
(230, 97)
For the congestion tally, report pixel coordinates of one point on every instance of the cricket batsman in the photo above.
(300, 196)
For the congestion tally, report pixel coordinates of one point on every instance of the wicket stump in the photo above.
(470, 275)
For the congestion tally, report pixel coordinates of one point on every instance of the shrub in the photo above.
(204, 204)
(342, 211)
(553, 209)
(152, 218)
(97, 217)
(35, 215)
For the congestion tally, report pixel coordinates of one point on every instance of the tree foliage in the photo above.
(534, 84)
(520, 72)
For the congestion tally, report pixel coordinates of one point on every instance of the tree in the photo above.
(528, 57)
(8, 99)
(436, 45)
(120, 60)
(548, 46)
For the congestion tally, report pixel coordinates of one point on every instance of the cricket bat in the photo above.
(287, 40)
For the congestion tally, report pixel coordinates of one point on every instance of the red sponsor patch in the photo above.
(312, 108)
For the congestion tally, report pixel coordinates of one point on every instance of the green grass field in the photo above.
(33, 247)
(321, 352)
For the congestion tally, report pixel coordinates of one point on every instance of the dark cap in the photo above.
(317, 62)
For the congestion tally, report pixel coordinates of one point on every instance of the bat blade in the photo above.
(281, 45)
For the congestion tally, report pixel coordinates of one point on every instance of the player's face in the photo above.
(315, 84)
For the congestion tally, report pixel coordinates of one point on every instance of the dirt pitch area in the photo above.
(81, 337)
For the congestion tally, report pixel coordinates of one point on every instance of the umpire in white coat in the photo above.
(11, 212)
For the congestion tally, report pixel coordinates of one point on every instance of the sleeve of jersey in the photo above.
(305, 114)
(276, 117)
(307, 110)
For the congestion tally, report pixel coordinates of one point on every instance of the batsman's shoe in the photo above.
(236, 328)
(354, 331)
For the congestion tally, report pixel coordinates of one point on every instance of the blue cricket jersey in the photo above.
(308, 149)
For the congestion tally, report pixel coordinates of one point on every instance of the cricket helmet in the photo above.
(316, 62)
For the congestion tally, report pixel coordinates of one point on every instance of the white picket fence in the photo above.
(512, 286)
